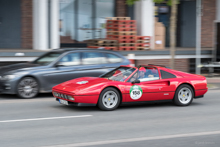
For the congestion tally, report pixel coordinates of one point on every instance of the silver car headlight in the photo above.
(7, 77)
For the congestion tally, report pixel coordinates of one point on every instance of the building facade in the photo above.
(38, 25)
(47, 24)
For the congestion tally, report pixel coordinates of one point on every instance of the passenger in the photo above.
(149, 74)
(155, 72)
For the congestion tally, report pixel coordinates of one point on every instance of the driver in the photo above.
(141, 73)
(119, 75)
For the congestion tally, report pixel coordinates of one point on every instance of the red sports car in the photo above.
(132, 84)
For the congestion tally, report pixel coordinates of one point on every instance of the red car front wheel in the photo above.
(109, 99)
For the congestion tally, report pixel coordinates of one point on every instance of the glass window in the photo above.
(103, 9)
(148, 74)
(119, 74)
(93, 58)
(84, 20)
(133, 78)
(67, 21)
(81, 20)
(113, 58)
(47, 58)
(166, 75)
(70, 59)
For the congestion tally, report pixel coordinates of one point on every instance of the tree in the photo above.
(173, 19)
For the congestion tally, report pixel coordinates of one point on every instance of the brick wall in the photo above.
(121, 8)
(26, 23)
(180, 64)
(208, 17)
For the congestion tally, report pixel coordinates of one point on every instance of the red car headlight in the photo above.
(71, 98)
(55, 94)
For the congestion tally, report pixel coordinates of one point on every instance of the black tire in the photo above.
(27, 88)
(113, 103)
(184, 95)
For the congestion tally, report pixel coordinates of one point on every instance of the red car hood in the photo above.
(80, 83)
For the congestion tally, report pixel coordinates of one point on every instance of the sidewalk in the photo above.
(214, 80)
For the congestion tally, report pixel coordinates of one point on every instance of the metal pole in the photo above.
(198, 36)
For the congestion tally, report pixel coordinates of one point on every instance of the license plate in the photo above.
(63, 102)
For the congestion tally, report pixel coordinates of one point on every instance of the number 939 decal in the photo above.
(136, 92)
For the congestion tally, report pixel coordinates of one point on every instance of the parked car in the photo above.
(28, 79)
(132, 84)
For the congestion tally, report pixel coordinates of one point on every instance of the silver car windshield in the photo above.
(47, 58)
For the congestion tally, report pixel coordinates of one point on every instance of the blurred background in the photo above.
(29, 28)
(117, 32)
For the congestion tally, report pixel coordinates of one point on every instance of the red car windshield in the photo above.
(119, 74)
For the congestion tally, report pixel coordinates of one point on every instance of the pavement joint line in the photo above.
(46, 118)
(136, 139)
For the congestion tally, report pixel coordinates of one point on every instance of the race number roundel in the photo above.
(136, 92)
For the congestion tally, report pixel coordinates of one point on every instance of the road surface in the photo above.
(45, 122)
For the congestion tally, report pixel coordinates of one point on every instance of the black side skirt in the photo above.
(201, 96)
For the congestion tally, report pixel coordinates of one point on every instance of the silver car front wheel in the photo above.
(27, 87)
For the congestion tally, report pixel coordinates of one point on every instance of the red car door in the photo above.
(146, 91)
(168, 91)
(148, 86)
(151, 87)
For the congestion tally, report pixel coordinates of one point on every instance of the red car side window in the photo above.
(166, 75)
(148, 74)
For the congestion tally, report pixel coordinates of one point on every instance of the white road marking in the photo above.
(47, 118)
(136, 139)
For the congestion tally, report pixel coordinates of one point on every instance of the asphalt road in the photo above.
(45, 122)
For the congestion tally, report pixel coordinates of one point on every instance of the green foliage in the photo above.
(169, 2)
(130, 2)
(158, 1)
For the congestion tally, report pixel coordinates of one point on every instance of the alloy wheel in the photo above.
(28, 88)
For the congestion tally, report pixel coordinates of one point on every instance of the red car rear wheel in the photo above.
(184, 95)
